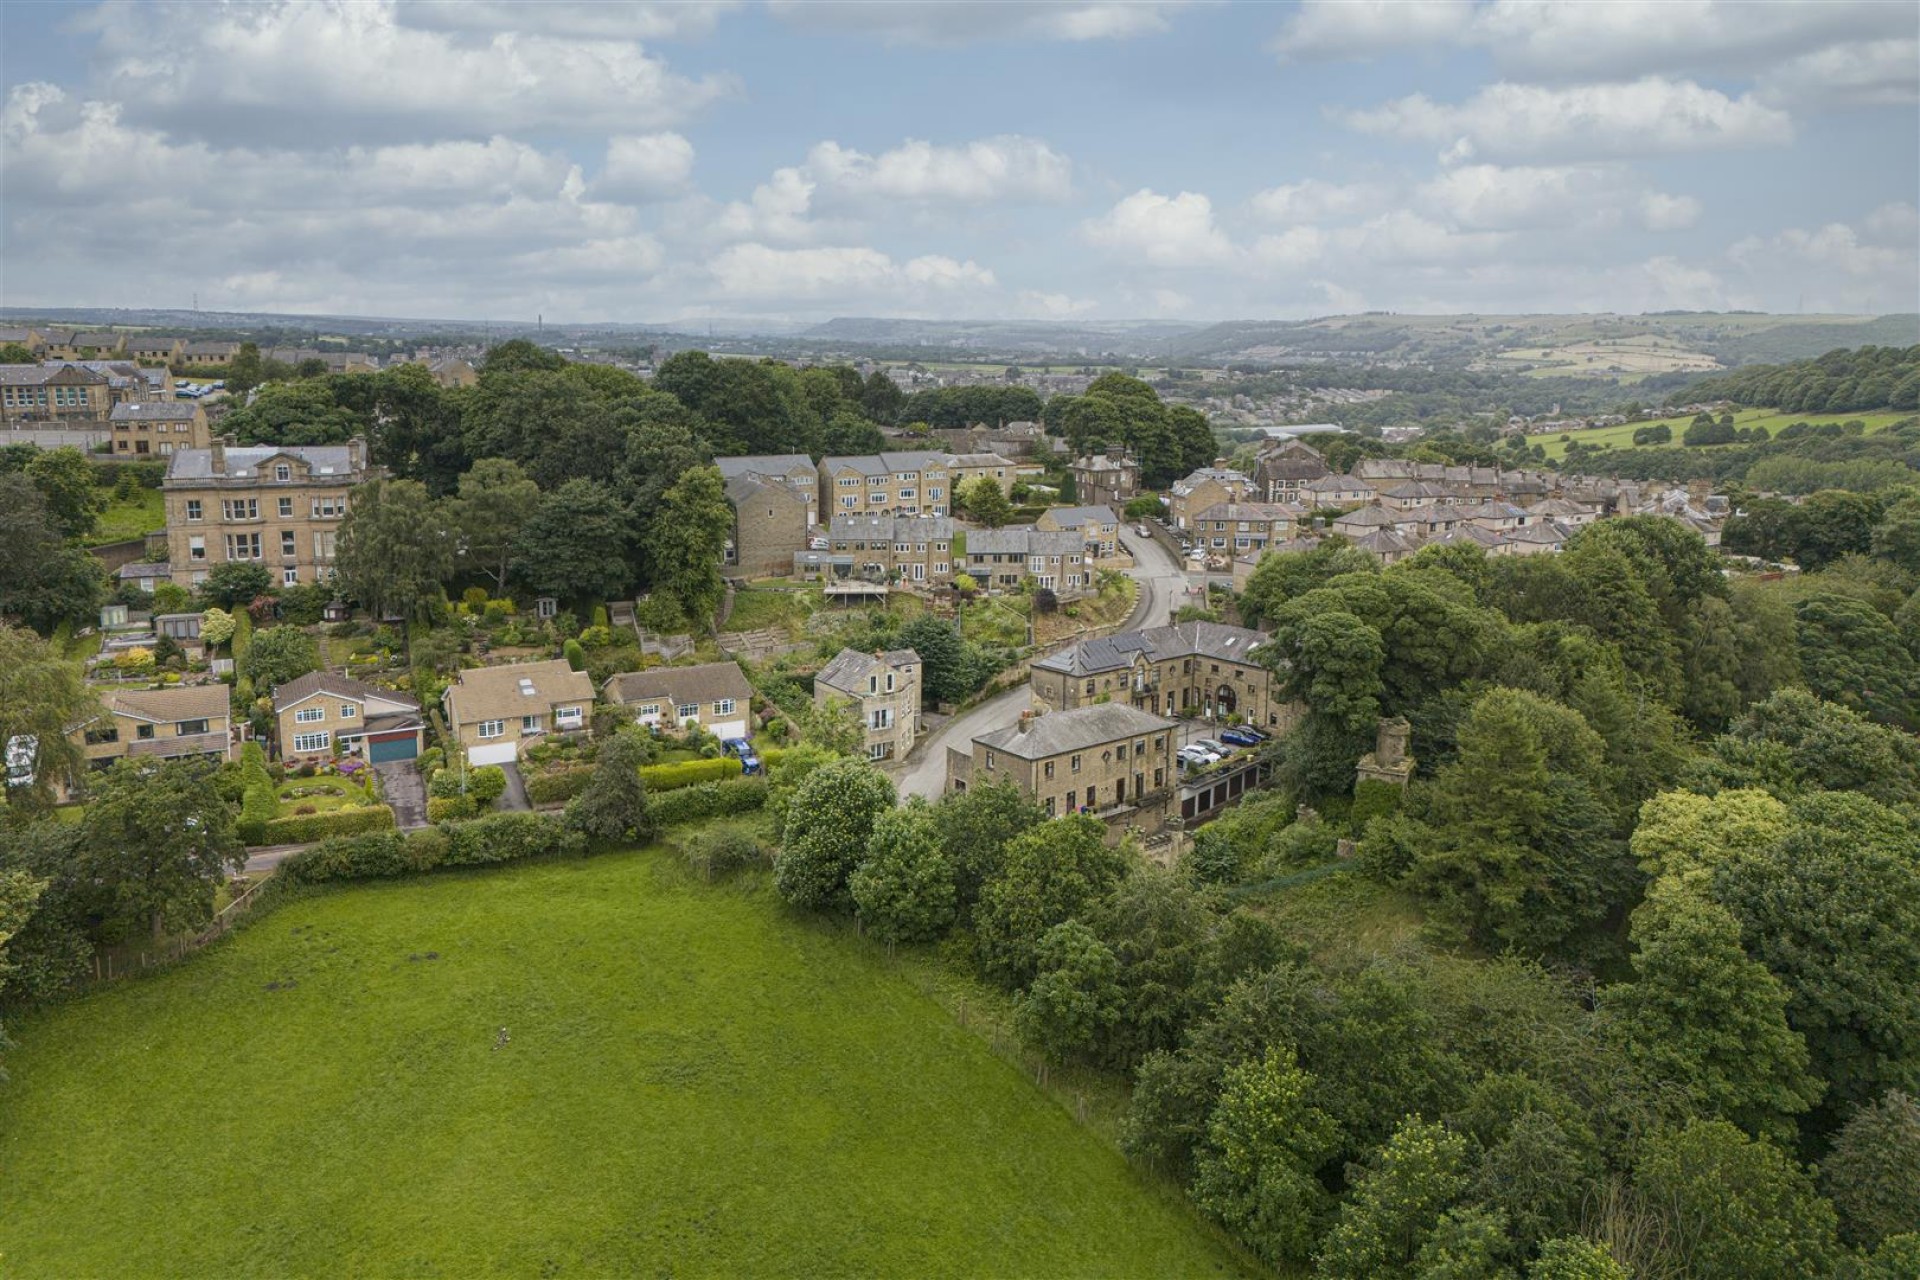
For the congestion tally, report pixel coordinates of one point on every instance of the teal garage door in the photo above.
(402, 747)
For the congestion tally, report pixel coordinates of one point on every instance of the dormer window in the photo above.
(282, 472)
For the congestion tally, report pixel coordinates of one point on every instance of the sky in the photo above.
(1087, 160)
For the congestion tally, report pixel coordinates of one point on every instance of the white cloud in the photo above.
(778, 210)
(1314, 200)
(959, 22)
(646, 165)
(298, 69)
(1662, 212)
(600, 19)
(983, 171)
(1836, 267)
(1582, 122)
(1877, 73)
(763, 274)
(1052, 306)
(1897, 223)
(1163, 231)
(1360, 29)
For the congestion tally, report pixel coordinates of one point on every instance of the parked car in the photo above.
(1209, 744)
(749, 762)
(816, 544)
(1241, 737)
(1193, 756)
(21, 749)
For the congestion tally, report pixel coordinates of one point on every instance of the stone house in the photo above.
(491, 711)
(771, 522)
(1283, 466)
(53, 395)
(1097, 525)
(278, 507)
(1105, 480)
(1114, 761)
(714, 695)
(1206, 487)
(1335, 491)
(178, 723)
(885, 687)
(207, 355)
(320, 713)
(1208, 669)
(1000, 559)
(913, 482)
(918, 550)
(157, 427)
(1246, 527)
(795, 471)
(152, 349)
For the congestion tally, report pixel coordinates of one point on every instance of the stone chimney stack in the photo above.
(219, 451)
(1026, 721)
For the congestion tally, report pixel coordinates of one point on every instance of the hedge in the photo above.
(508, 837)
(483, 784)
(707, 800)
(385, 853)
(305, 827)
(451, 808)
(687, 773)
(555, 786)
(258, 805)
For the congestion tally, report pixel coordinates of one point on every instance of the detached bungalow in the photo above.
(714, 695)
(492, 710)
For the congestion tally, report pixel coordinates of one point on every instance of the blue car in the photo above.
(749, 762)
(1242, 737)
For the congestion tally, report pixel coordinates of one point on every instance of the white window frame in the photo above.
(685, 711)
(290, 576)
(282, 473)
(310, 715)
(348, 711)
(493, 728)
(307, 743)
(724, 707)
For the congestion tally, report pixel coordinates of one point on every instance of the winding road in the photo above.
(1163, 585)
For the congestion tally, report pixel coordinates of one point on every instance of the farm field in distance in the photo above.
(1621, 436)
(576, 1068)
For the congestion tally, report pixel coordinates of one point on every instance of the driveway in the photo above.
(515, 796)
(406, 791)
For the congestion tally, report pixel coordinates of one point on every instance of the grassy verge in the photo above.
(597, 1067)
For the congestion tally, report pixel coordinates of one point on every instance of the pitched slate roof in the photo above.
(780, 465)
(1185, 640)
(1068, 517)
(154, 411)
(197, 464)
(1083, 727)
(494, 693)
(182, 702)
(706, 683)
(850, 668)
(300, 688)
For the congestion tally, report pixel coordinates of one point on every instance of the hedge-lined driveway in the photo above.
(406, 791)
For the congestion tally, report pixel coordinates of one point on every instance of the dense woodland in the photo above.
(1844, 381)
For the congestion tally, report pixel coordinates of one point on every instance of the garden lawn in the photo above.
(129, 518)
(598, 1067)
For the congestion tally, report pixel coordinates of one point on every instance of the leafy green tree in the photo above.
(245, 370)
(1051, 873)
(1680, 831)
(496, 501)
(975, 826)
(1873, 1172)
(277, 655)
(1834, 523)
(1705, 1017)
(613, 804)
(235, 584)
(946, 670)
(1897, 537)
(1734, 1206)
(1395, 1203)
(1332, 661)
(302, 412)
(68, 483)
(829, 826)
(156, 842)
(1468, 1243)
(42, 696)
(1794, 742)
(903, 891)
(689, 541)
(217, 626)
(521, 355)
(397, 548)
(1852, 655)
(1265, 1142)
(44, 579)
(1158, 924)
(1571, 1258)
(1074, 998)
(1283, 575)
(575, 545)
(986, 502)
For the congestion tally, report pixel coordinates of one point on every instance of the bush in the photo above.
(715, 854)
(509, 837)
(351, 858)
(1372, 799)
(708, 800)
(258, 809)
(339, 822)
(556, 786)
(575, 654)
(454, 808)
(486, 784)
(687, 773)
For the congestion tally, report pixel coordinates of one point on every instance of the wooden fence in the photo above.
(115, 963)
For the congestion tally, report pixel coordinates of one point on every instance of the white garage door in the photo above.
(500, 754)
(724, 729)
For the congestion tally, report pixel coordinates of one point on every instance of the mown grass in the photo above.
(1621, 436)
(583, 1068)
(128, 518)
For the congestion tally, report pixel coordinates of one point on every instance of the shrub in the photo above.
(708, 800)
(454, 808)
(258, 808)
(556, 786)
(486, 784)
(576, 655)
(715, 854)
(687, 773)
(318, 826)
(508, 837)
(1372, 799)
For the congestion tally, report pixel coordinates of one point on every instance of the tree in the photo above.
(44, 579)
(157, 840)
(613, 804)
(245, 370)
(216, 627)
(689, 542)
(1852, 655)
(1395, 1203)
(235, 584)
(1708, 1019)
(1330, 660)
(1680, 831)
(1794, 742)
(277, 655)
(975, 828)
(903, 891)
(42, 697)
(829, 826)
(946, 668)
(987, 503)
(1873, 1171)
(496, 501)
(1734, 1206)
(67, 482)
(1158, 924)
(1571, 1258)
(1897, 537)
(1264, 1144)
(1051, 873)
(1074, 998)
(1282, 575)
(302, 412)
(396, 549)
(575, 545)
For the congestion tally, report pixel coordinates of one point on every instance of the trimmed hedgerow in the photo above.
(707, 800)
(301, 828)
(687, 773)
(556, 786)
(508, 837)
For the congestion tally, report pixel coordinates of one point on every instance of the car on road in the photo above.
(1194, 756)
(1242, 737)
(749, 762)
(1210, 744)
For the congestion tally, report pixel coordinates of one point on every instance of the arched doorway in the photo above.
(1225, 701)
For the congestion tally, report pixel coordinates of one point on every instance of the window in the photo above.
(1074, 764)
(1159, 777)
(243, 546)
(1121, 751)
(289, 577)
(1072, 798)
(348, 711)
(310, 715)
(286, 542)
(1050, 811)
(1047, 769)
(307, 742)
(889, 682)
(187, 728)
(144, 731)
(567, 716)
(286, 508)
(328, 508)
(529, 724)
(650, 709)
(724, 707)
(989, 759)
(323, 545)
(196, 548)
(493, 728)
(873, 684)
(240, 508)
(881, 719)
(193, 508)
(687, 711)
(283, 473)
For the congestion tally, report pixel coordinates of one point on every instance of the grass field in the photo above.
(583, 1068)
(1621, 437)
(135, 517)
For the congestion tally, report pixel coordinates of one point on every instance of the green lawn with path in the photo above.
(598, 1067)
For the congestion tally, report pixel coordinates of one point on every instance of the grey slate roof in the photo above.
(155, 411)
(300, 688)
(850, 668)
(197, 464)
(766, 464)
(1083, 727)
(898, 528)
(1072, 516)
(1186, 640)
(705, 683)
(1025, 540)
